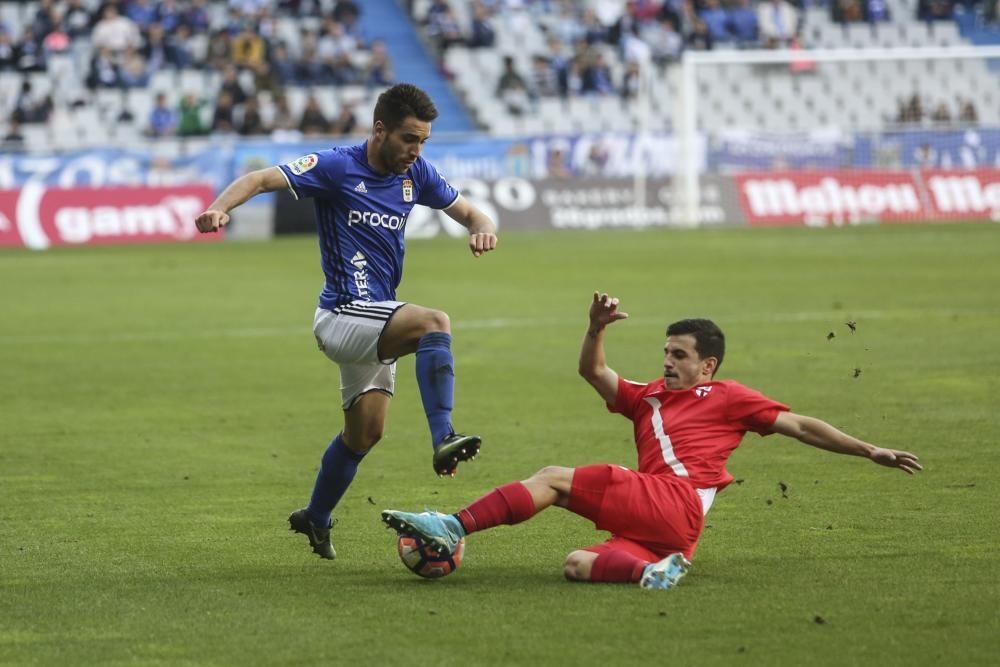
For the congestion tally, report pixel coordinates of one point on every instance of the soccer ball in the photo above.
(423, 560)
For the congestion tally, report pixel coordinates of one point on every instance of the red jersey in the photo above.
(691, 433)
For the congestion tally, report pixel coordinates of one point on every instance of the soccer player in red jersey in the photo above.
(686, 425)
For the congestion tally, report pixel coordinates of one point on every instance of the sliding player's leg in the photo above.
(615, 560)
(506, 505)
(655, 521)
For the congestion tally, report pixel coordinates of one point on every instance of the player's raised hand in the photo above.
(481, 242)
(604, 310)
(211, 221)
(894, 458)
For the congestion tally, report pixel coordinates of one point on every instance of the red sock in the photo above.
(508, 504)
(617, 566)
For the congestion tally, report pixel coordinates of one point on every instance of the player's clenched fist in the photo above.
(211, 221)
(481, 242)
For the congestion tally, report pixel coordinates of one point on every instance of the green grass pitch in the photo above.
(163, 409)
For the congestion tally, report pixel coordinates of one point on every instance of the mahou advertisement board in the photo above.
(38, 216)
(823, 198)
(830, 197)
(964, 195)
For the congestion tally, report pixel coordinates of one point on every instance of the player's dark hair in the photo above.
(709, 341)
(402, 101)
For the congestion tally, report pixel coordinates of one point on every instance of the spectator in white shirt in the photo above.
(115, 32)
(665, 42)
(779, 23)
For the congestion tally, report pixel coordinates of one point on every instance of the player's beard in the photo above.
(400, 163)
(404, 165)
(388, 159)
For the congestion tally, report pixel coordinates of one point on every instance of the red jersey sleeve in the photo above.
(752, 409)
(629, 395)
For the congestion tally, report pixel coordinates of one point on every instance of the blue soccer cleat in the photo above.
(442, 532)
(665, 574)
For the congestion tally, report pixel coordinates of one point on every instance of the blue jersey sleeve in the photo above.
(435, 191)
(316, 174)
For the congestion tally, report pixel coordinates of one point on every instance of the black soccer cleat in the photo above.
(453, 450)
(319, 538)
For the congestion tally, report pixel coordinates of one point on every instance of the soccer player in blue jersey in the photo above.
(363, 195)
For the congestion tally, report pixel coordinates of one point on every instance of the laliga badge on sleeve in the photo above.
(407, 190)
(303, 164)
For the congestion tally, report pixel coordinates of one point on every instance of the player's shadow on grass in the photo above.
(510, 579)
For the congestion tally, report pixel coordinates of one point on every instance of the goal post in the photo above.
(786, 98)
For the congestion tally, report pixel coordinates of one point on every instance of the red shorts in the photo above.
(650, 516)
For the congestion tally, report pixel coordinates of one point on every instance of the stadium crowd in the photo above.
(254, 51)
(581, 36)
(911, 112)
(663, 28)
(258, 49)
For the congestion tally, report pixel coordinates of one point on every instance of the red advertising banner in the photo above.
(831, 197)
(38, 216)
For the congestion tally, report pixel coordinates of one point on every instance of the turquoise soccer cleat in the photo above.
(665, 574)
(442, 532)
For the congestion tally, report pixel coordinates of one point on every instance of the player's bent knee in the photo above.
(556, 477)
(437, 320)
(548, 472)
(578, 565)
(363, 440)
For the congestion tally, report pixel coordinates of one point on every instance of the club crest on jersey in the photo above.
(702, 392)
(303, 164)
(407, 190)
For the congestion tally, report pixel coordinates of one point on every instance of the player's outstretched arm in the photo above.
(593, 367)
(238, 192)
(818, 433)
(482, 230)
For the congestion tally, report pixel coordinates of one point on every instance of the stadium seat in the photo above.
(503, 125)
(458, 59)
(165, 79)
(296, 99)
(198, 45)
(140, 103)
(85, 118)
(11, 16)
(36, 137)
(191, 81)
(945, 33)
(860, 36)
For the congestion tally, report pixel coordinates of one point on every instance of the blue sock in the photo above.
(335, 475)
(436, 378)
